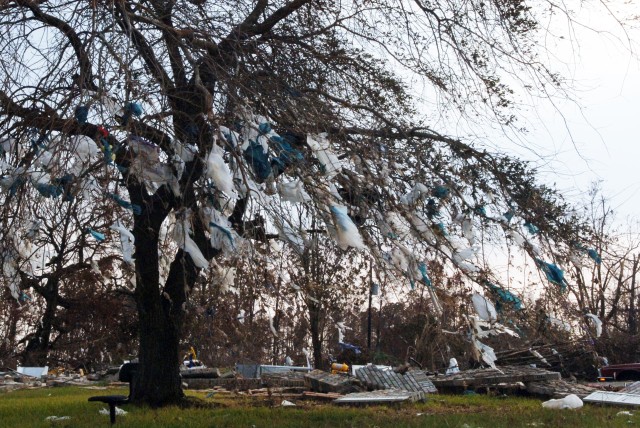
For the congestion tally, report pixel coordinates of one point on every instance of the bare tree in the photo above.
(204, 120)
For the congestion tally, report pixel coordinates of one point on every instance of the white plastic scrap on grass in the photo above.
(119, 411)
(57, 418)
(571, 401)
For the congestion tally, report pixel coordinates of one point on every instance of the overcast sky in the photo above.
(598, 138)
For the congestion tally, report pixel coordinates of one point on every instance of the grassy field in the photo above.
(29, 408)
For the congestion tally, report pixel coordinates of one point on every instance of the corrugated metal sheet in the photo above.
(634, 388)
(608, 397)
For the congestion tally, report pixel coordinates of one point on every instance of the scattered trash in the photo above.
(571, 401)
(57, 418)
(119, 411)
(624, 413)
(287, 403)
(453, 367)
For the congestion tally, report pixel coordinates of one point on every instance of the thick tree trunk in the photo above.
(161, 317)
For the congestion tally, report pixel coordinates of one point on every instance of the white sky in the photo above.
(598, 137)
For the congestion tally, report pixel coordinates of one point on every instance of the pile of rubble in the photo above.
(377, 384)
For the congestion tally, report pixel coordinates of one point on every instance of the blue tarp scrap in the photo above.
(554, 273)
(64, 183)
(259, 160)
(480, 210)
(99, 236)
(508, 215)
(441, 228)
(224, 230)
(286, 155)
(594, 255)
(130, 109)
(82, 113)
(425, 276)
(441, 192)
(39, 143)
(137, 210)
(347, 346)
(505, 296)
(17, 183)
(533, 229)
(48, 190)
(432, 208)
(264, 128)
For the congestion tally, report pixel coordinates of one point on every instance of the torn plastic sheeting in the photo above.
(99, 236)
(596, 322)
(125, 204)
(485, 309)
(293, 192)
(425, 277)
(411, 197)
(181, 234)
(554, 274)
(219, 172)
(347, 346)
(505, 296)
(286, 155)
(127, 241)
(258, 160)
(81, 113)
(593, 254)
(348, 234)
(328, 160)
(485, 353)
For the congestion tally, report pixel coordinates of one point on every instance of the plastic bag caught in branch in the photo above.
(127, 240)
(596, 322)
(414, 194)
(219, 172)
(347, 231)
(293, 192)
(485, 309)
(329, 161)
(181, 234)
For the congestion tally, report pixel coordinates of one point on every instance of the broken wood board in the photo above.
(414, 380)
(230, 384)
(320, 381)
(489, 377)
(559, 388)
(613, 398)
(381, 397)
(321, 395)
(200, 373)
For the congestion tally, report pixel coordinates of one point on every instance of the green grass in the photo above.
(29, 408)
